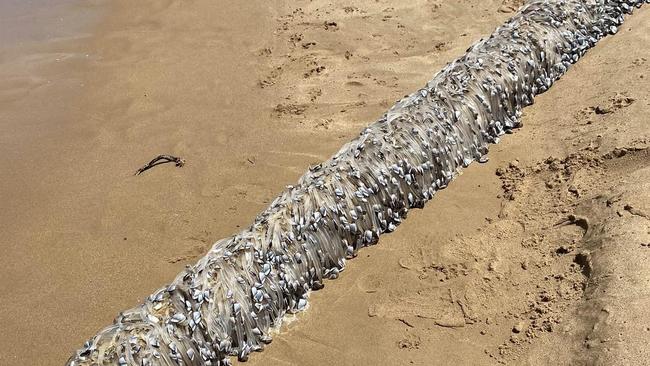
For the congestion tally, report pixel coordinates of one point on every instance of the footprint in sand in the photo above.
(271, 78)
(324, 124)
(409, 342)
(408, 263)
(314, 94)
(369, 283)
(616, 102)
(331, 26)
(295, 39)
(266, 51)
(289, 109)
(315, 71)
(350, 9)
(354, 83)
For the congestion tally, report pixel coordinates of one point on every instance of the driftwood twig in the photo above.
(161, 159)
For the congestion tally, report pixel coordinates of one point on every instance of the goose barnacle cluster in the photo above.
(227, 303)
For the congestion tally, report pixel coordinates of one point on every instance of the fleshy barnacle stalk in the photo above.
(227, 303)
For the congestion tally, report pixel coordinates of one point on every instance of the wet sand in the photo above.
(251, 94)
(44, 57)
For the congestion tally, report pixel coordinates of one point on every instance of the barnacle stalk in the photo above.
(227, 303)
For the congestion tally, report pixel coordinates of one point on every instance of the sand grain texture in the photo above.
(251, 94)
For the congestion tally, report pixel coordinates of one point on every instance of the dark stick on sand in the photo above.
(161, 159)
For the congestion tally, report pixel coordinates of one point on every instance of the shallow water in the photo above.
(29, 21)
(44, 54)
(43, 47)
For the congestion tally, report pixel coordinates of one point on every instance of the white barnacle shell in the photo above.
(302, 303)
(178, 318)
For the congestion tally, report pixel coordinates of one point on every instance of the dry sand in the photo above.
(538, 257)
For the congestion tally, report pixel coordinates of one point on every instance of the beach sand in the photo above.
(494, 270)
